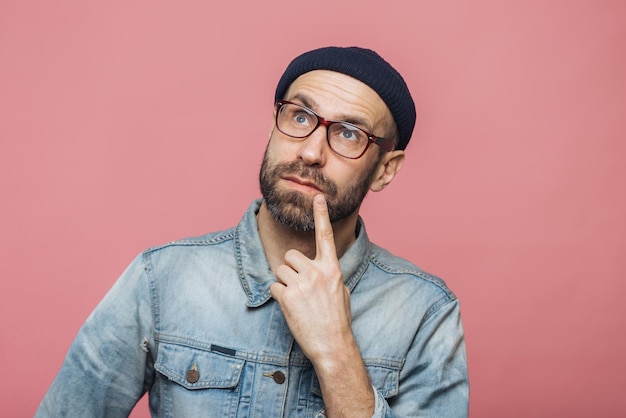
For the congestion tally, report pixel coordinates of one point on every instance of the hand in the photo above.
(312, 295)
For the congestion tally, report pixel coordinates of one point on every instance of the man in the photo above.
(294, 312)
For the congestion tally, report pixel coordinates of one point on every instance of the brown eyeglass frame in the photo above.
(385, 143)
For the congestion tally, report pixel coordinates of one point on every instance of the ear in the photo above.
(388, 166)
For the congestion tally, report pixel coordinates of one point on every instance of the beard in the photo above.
(295, 209)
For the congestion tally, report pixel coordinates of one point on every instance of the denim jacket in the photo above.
(193, 323)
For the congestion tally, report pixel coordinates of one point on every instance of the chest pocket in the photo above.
(198, 382)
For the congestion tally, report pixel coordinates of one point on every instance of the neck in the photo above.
(277, 239)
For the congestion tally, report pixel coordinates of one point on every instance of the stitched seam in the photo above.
(416, 273)
(193, 242)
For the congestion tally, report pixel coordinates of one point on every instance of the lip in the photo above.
(302, 184)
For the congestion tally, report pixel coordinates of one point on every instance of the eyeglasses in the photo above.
(344, 138)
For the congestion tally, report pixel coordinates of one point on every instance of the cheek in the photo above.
(272, 152)
(345, 178)
(284, 150)
(364, 176)
(279, 148)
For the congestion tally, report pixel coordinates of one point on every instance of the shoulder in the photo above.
(175, 254)
(408, 277)
(207, 240)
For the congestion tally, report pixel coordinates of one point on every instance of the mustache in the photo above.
(305, 172)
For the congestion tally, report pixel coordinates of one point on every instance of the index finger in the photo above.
(324, 237)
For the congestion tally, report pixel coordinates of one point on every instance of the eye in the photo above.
(301, 118)
(346, 134)
(350, 133)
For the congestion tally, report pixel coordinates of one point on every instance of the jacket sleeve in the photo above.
(434, 381)
(108, 367)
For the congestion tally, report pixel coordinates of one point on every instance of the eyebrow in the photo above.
(312, 104)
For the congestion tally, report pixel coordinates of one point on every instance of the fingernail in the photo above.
(319, 199)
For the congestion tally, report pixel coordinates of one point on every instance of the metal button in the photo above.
(278, 376)
(192, 374)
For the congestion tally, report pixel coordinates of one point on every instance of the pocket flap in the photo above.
(194, 368)
(385, 379)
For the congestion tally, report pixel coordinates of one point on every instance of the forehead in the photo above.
(340, 97)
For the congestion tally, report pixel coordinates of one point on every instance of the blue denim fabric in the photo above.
(203, 305)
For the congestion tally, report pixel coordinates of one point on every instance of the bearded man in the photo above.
(294, 312)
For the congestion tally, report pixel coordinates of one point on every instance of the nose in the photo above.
(314, 148)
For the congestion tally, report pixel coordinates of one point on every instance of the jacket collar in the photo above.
(254, 270)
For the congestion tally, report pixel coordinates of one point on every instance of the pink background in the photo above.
(126, 124)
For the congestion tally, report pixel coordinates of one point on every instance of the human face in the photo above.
(295, 170)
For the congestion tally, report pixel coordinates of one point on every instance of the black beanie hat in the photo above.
(366, 66)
